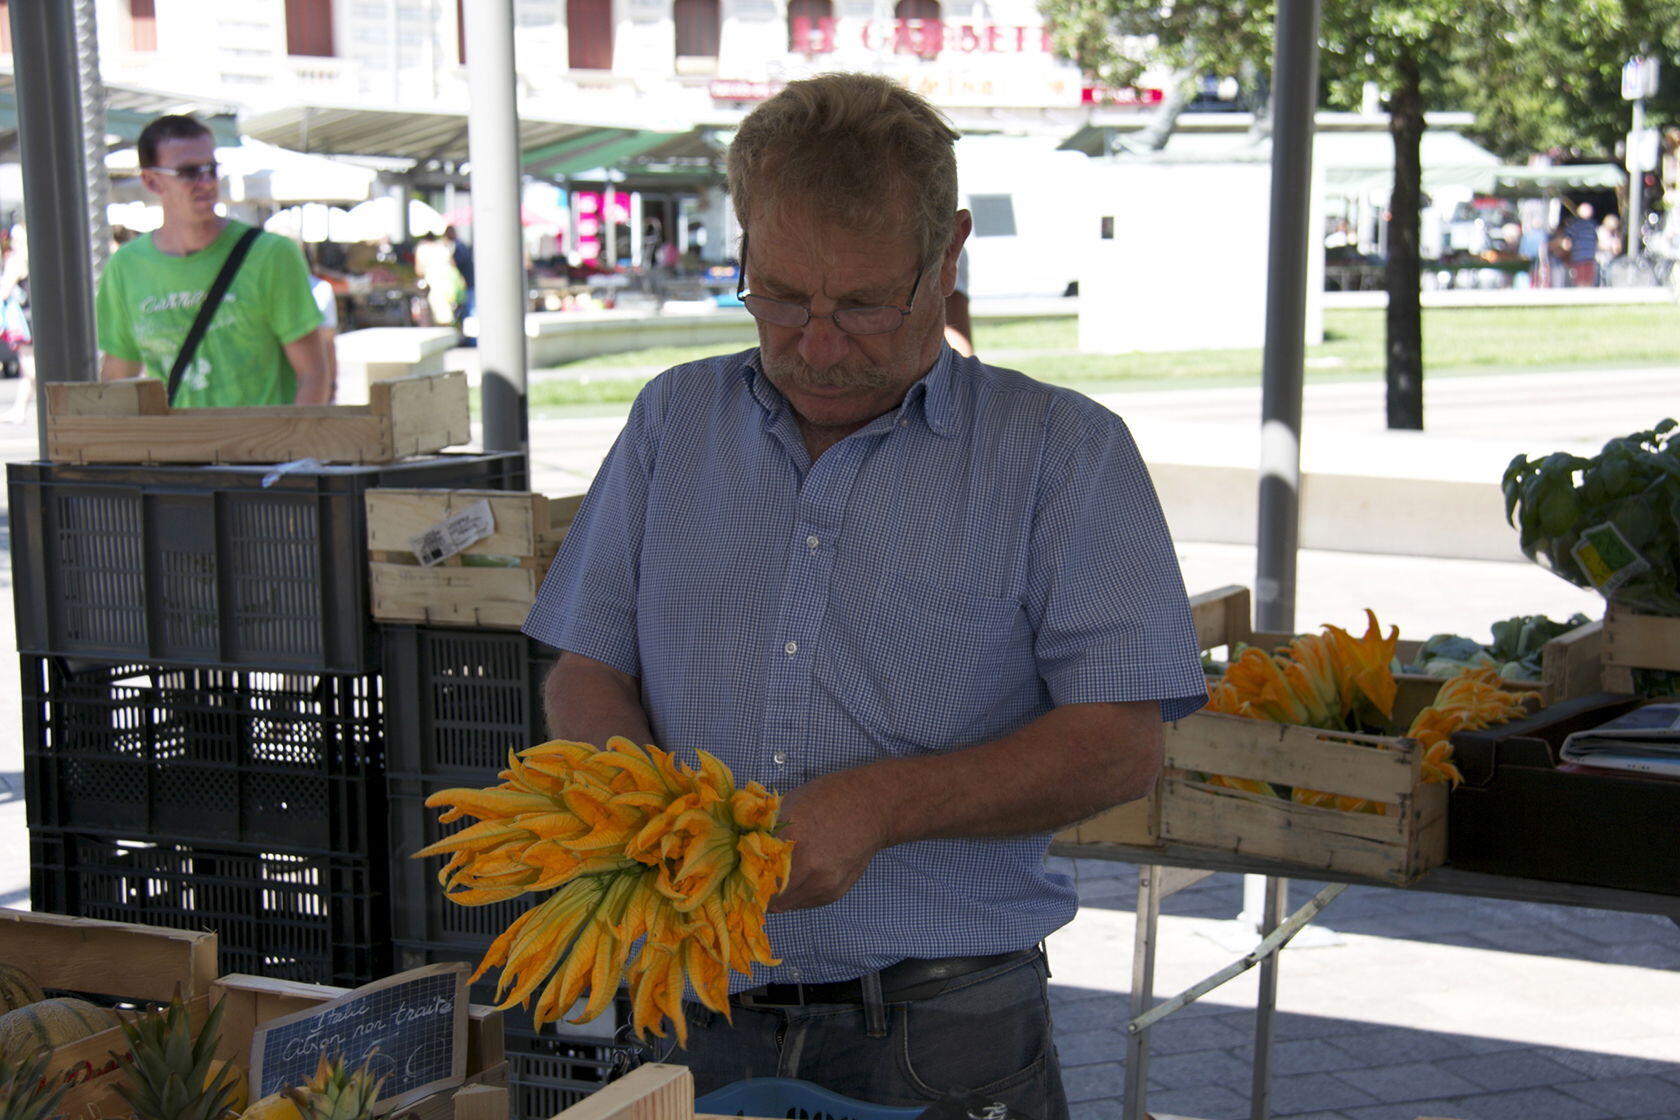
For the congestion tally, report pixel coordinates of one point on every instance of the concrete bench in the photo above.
(564, 336)
(381, 353)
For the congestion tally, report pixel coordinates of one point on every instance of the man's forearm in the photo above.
(1070, 764)
(589, 702)
(1065, 766)
(309, 362)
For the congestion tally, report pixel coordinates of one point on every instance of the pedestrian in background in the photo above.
(259, 343)
(1583, 247)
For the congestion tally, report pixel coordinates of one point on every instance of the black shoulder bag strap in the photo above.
(207, 309)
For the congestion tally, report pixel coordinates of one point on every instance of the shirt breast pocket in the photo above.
(945, 660)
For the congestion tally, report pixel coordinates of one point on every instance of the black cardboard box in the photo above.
(1518, 814)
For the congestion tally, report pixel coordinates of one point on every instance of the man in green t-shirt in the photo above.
(263, 345)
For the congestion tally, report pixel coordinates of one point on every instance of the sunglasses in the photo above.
(192, 172)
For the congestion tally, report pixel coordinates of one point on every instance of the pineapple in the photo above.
(23, 1094)
(174, 1076)
(335, 1093)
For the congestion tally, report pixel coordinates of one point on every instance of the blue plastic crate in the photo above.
(792, 1099)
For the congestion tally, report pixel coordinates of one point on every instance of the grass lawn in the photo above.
(1455, 340)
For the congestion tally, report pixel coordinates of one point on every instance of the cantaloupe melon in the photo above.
(17, 988)
(50, 1023)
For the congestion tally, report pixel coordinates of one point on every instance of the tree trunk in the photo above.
(1404, 368)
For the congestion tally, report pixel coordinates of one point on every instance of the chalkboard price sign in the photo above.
(414, 1024)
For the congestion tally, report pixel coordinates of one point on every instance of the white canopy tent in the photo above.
(263, 174)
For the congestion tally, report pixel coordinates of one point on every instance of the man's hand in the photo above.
(836, 832)
(112, 368)
(1069, 764)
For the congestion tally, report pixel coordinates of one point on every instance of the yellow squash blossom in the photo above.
(634, 846)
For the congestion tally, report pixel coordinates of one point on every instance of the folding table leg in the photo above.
(1265, 1006)
(1148, 916)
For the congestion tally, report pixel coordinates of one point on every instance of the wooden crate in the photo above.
(1637, 641)
(124, 962)
(251, 1001)
(1396, 847)
(1572, 664)
(491, 584)
(130, 421)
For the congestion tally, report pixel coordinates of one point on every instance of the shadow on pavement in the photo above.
(11, 787)
(1201, 1065)
(1565, 932)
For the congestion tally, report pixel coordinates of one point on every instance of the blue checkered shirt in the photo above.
(988, 550)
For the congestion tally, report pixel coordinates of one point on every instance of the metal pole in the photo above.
(50, 140)
(93, 136)
(1631, 240)
(493, 144)
(1294, 96)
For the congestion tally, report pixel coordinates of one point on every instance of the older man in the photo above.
(931, 600)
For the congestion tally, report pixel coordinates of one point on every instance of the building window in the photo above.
(810, 26)
(919, 29)
(589, 34)
(309, 28)
(142, 25)
(697, 28)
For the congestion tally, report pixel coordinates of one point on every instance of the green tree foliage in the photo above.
(1548, 76)
(1539, 73)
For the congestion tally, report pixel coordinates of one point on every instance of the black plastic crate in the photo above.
(419, 912)
(231, 566)
(550, 1072)
(460, 700)
(293, 761)
(1518, 814)
(314, 918)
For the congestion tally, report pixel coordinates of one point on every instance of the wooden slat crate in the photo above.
(250, 1002)
(130, 421)
(1396, 847)
(491, 584)
(1637, 641)
(1572, 664)
(124, 962)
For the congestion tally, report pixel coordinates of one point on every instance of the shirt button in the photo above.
(780, 757)
(812, 542)
(792, 648)
(905, 423)
(793, 974)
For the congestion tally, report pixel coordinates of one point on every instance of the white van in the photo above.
(1027, 198)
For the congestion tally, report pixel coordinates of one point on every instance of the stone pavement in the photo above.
(1421, 1005)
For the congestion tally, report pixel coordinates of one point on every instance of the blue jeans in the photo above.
(986, 1033)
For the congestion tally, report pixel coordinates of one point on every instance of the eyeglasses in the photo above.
(852, 320)
(192, 172)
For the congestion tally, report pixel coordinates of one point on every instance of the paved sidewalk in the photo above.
(1426, 1005)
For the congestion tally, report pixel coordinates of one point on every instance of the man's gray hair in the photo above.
(857, 149)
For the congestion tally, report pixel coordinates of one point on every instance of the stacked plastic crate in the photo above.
(204, 708)
(460, 699)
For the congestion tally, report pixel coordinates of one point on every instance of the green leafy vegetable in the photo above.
(1611, 523)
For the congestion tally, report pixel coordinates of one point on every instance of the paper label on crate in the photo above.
(411, 1026)
(458, 531)
(1607, 559)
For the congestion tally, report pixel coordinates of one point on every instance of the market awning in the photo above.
(128, 109)
(421, 137)
(1568, 176)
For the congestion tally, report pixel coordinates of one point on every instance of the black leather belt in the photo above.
(907, 980)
